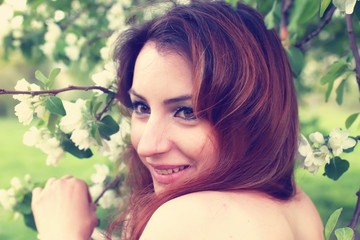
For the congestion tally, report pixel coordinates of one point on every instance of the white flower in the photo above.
(317, 137)
(103, 78)
(102, 171)
(16, 184)
(319, 158)
(304, 148)
(7, 199)
(72, 52)
(96, 189)
(59, 15)
(71, 38)
(53, 149)
(32, 137)
(311, 160)
(74, 118)
(108, 199)
(18, 5)
(17, 22)
(82, 139)
(24, 112)
(339, 140)
(27, 178)
(28, 103)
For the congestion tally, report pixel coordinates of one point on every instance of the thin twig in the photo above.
(115, 181)
(56, 91)
(353, 47)
(98, 117)
(355, 219)
(318, 30)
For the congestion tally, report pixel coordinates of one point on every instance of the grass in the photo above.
(328, 195)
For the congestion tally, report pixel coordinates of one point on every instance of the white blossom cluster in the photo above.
(43, 139)
(322, 149)
(28, 104)
(9, 21)
(110, 197)
(77, 122)
(9, 198)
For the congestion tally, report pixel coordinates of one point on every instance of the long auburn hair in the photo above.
(242, 85)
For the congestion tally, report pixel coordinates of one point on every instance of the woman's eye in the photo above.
(185, 113)
(140, 108)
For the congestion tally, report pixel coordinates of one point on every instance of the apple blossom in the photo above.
(7, 199)
(317, 137)
(102, 171)
(74, 118)
(109, 199)
(339, 140)
(82, 139)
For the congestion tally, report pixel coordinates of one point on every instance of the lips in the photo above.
(167, 174)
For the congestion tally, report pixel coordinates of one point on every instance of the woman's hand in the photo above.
(64, 210)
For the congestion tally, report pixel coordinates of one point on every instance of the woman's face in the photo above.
(170, 141)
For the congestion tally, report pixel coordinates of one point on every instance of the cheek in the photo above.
(200, 146)
(135, 133)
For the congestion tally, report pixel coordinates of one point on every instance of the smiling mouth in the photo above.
(170, 171)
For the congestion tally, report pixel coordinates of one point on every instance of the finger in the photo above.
(67, 176)
(49, 182)
(36, 192)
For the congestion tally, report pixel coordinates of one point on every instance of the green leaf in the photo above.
(351, 119)
(52, 76)
(95, 107)
(345, 233)
(70, 147)
(107, 126)
(41, 77)
(96, 134)
(270, 17)
(55, 105)
(331, 223)
(324, 6)
(357, 10)
(24, 207)
(296, 59)
(340, 92)
(30, 221)
(336, 168)
(328, 91)
(53, 118)
(336, 70)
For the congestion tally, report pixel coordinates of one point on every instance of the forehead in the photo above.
(165, 72)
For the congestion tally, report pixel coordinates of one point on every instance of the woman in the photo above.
(214, 134)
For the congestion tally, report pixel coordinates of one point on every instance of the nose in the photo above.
(154, 139)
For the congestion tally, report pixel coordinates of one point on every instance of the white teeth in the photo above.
(169, 171)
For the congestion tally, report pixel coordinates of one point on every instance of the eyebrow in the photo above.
(166, 101)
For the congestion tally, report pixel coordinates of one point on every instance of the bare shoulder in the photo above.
(220, 215)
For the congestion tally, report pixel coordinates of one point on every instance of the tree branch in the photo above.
(98, 117)
(115, 181)
(353, 47)
(355, 219)
(318, 30)
(57, 91)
